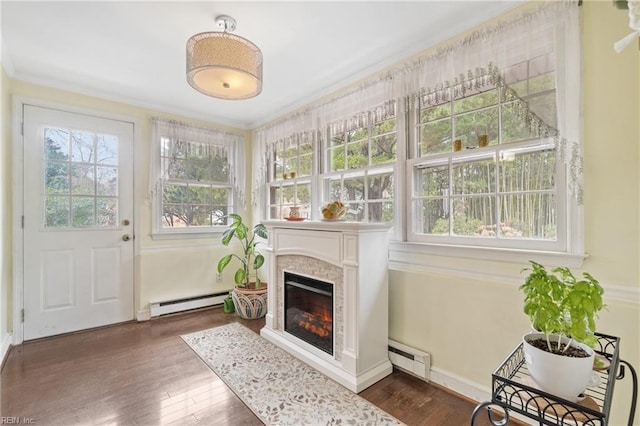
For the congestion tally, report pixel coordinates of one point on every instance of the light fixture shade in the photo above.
(224, 65)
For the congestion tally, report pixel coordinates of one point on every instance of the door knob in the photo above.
(126, 237)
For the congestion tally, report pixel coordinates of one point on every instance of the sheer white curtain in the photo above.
(185, 137)
(548, 28)
(568, 98)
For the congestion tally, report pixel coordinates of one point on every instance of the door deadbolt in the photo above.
(126, 222)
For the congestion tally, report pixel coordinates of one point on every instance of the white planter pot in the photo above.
(559, 375)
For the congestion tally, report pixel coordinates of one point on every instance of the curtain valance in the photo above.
(546, 30)
(186, 139)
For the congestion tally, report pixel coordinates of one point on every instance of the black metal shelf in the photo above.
(514, 390)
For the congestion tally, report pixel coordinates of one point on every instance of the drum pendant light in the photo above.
(224, 65)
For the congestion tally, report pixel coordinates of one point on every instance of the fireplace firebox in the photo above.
(308, 310)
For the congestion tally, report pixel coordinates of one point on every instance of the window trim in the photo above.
(274, 181)
(160, 233)
(562, 201)
(394, 168)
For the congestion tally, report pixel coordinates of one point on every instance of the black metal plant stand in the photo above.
(514, 390)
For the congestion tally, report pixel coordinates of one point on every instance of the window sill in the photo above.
(187, 234)
(494, 264)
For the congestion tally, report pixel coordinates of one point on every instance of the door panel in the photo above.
(57, 279)
(105, 274)
(78, 193)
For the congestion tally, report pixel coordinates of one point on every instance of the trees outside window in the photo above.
(290, 168)
(507, 189)
(360, 167)
(194, 191)
(81, 179)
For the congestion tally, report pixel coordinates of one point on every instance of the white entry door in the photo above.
(78, 222)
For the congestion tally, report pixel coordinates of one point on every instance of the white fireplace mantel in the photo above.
(353, 256)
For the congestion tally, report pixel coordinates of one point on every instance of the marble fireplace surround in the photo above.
(353, 258)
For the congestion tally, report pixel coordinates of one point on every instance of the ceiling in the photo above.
(134, 51)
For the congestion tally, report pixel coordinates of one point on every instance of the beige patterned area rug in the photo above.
(276, 386)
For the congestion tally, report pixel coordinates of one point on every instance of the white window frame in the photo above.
(273, 181)
(156, 179)
(429, 249)
(327, 176)
(496, 153)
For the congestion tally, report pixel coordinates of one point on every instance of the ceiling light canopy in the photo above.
(224, 65)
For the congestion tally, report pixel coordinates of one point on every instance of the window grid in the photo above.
(196, 189)
(365, 185)
(291, 166)
(80, 179)
(501, 152)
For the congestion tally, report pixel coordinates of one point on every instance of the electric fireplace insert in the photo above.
(308, 314)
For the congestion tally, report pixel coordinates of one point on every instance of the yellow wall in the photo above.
(5, 211)
(469, 326)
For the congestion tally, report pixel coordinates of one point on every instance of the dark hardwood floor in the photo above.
(144, 374)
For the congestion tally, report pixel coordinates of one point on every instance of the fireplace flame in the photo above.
(318, 324)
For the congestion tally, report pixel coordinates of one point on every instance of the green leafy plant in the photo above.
(251, 260)
(559, 303)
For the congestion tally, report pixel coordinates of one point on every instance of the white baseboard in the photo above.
(143, 315)
(460, 385)
(469, 389)
(7, 338)
(180, 305)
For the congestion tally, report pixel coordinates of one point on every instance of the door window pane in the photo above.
(81, 169)
(82, 147)
(82, 212)
(56, 214)
(107, 150)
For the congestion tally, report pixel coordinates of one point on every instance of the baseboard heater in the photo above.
(180, 305)
(410, 360)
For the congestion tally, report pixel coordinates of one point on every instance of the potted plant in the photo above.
(250, 293)
(562, 310)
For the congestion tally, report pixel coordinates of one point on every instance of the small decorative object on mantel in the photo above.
(294, 211)
(634, 24)
(334, 210)
(294, 214)
(457, 145)
(483, 140)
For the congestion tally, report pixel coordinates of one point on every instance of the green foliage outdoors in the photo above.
(251, 260)
(197, 190)
(489, 197)
(80, 178)
(559, 303)
(365, 148)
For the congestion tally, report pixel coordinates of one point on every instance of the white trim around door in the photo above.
(18, 203)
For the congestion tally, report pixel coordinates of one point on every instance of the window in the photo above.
(81, 179)
(195, 190)
(359, 168)
(290, 168)
(472, 150)
(485, 170)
